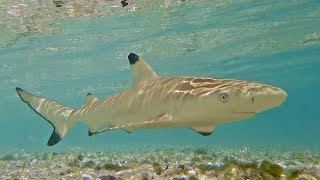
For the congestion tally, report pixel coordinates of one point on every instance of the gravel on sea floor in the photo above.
(163, 163)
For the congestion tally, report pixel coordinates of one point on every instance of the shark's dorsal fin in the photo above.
(204, 130)
(90, 99)
(141, 70)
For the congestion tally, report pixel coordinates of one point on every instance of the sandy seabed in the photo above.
(164, 163)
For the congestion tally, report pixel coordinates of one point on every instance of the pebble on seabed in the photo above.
(107, 177)
(86, 177)
(221, 177)
(192, 172)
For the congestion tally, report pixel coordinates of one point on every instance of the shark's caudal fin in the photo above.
(62, 118)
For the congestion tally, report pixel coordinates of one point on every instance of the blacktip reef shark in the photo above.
(161, 102)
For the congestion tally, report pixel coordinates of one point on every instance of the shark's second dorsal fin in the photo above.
(141, 70)
(90, 99)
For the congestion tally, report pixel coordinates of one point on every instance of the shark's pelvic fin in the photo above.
(141, 70)
(90, 99)
(204, 130)
(60, 117)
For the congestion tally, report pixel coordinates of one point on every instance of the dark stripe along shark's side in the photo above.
(161, 102)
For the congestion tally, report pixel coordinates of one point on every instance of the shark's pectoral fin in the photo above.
(204, 130)
(141, 70)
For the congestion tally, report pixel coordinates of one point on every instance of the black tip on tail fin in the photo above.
(54, 138)
(133, 58)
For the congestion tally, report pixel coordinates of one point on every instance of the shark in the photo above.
(152, 101)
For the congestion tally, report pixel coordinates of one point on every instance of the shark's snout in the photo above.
(268, 98)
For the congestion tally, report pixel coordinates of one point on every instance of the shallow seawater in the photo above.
(63, 53)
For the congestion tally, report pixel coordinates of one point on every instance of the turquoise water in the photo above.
(273, 42)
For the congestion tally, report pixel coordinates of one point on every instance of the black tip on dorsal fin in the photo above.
(133, 58)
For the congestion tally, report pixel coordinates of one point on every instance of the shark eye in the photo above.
(224, 97)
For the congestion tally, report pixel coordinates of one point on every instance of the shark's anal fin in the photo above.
(90, 99)
(204, 130)
(141, 70)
